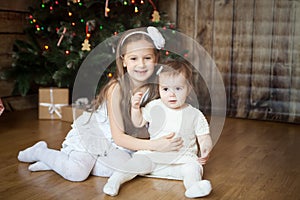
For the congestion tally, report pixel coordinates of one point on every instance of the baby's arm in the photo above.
(205, 144)
(165, 143)
(136, 112)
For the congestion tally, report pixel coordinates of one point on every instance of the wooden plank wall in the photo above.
(12, 23)
(255, 45)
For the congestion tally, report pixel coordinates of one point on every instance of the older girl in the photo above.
(107, 140)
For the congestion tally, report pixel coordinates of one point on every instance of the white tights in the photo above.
(75, 166)
(190, 173)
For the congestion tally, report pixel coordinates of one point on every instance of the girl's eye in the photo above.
(148, 58)
(165, 89)
(133, 58)
(178, 88)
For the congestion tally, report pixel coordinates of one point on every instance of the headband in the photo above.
(153, 33)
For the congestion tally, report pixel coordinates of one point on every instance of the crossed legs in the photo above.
(75, 166)
(190, 173)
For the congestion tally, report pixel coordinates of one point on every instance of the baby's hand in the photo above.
(204, 157)
(205, 144)
(136, 99)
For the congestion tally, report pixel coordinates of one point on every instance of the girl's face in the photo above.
(139, 60)
(173, 90)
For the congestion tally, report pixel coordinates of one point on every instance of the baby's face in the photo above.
(173, 90)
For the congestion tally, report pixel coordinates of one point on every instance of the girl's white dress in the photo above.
(90, 133)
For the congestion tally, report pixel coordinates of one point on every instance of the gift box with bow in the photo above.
(51, 100)
(71, 112)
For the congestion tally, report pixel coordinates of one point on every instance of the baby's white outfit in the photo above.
(187, 123)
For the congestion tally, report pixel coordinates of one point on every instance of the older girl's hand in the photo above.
(167, 143)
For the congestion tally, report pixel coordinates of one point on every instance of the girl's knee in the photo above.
(77, 176)
(143, 164)
(77, 172)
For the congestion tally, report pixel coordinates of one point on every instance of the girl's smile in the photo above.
(139, 61)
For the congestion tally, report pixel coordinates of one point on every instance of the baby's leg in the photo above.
(139, 164)
(192, 180)
(191, 173)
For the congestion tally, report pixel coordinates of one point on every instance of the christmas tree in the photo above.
(61, 33)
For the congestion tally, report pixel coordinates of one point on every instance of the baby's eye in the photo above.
(178, 88)
(165, 89)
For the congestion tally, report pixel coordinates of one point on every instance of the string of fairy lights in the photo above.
(90, 25)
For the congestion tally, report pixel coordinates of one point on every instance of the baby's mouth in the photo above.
(172, 101)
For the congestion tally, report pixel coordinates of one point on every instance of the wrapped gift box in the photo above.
(69, 113)
(51, 100)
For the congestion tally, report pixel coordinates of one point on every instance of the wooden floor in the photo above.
(252, 160)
